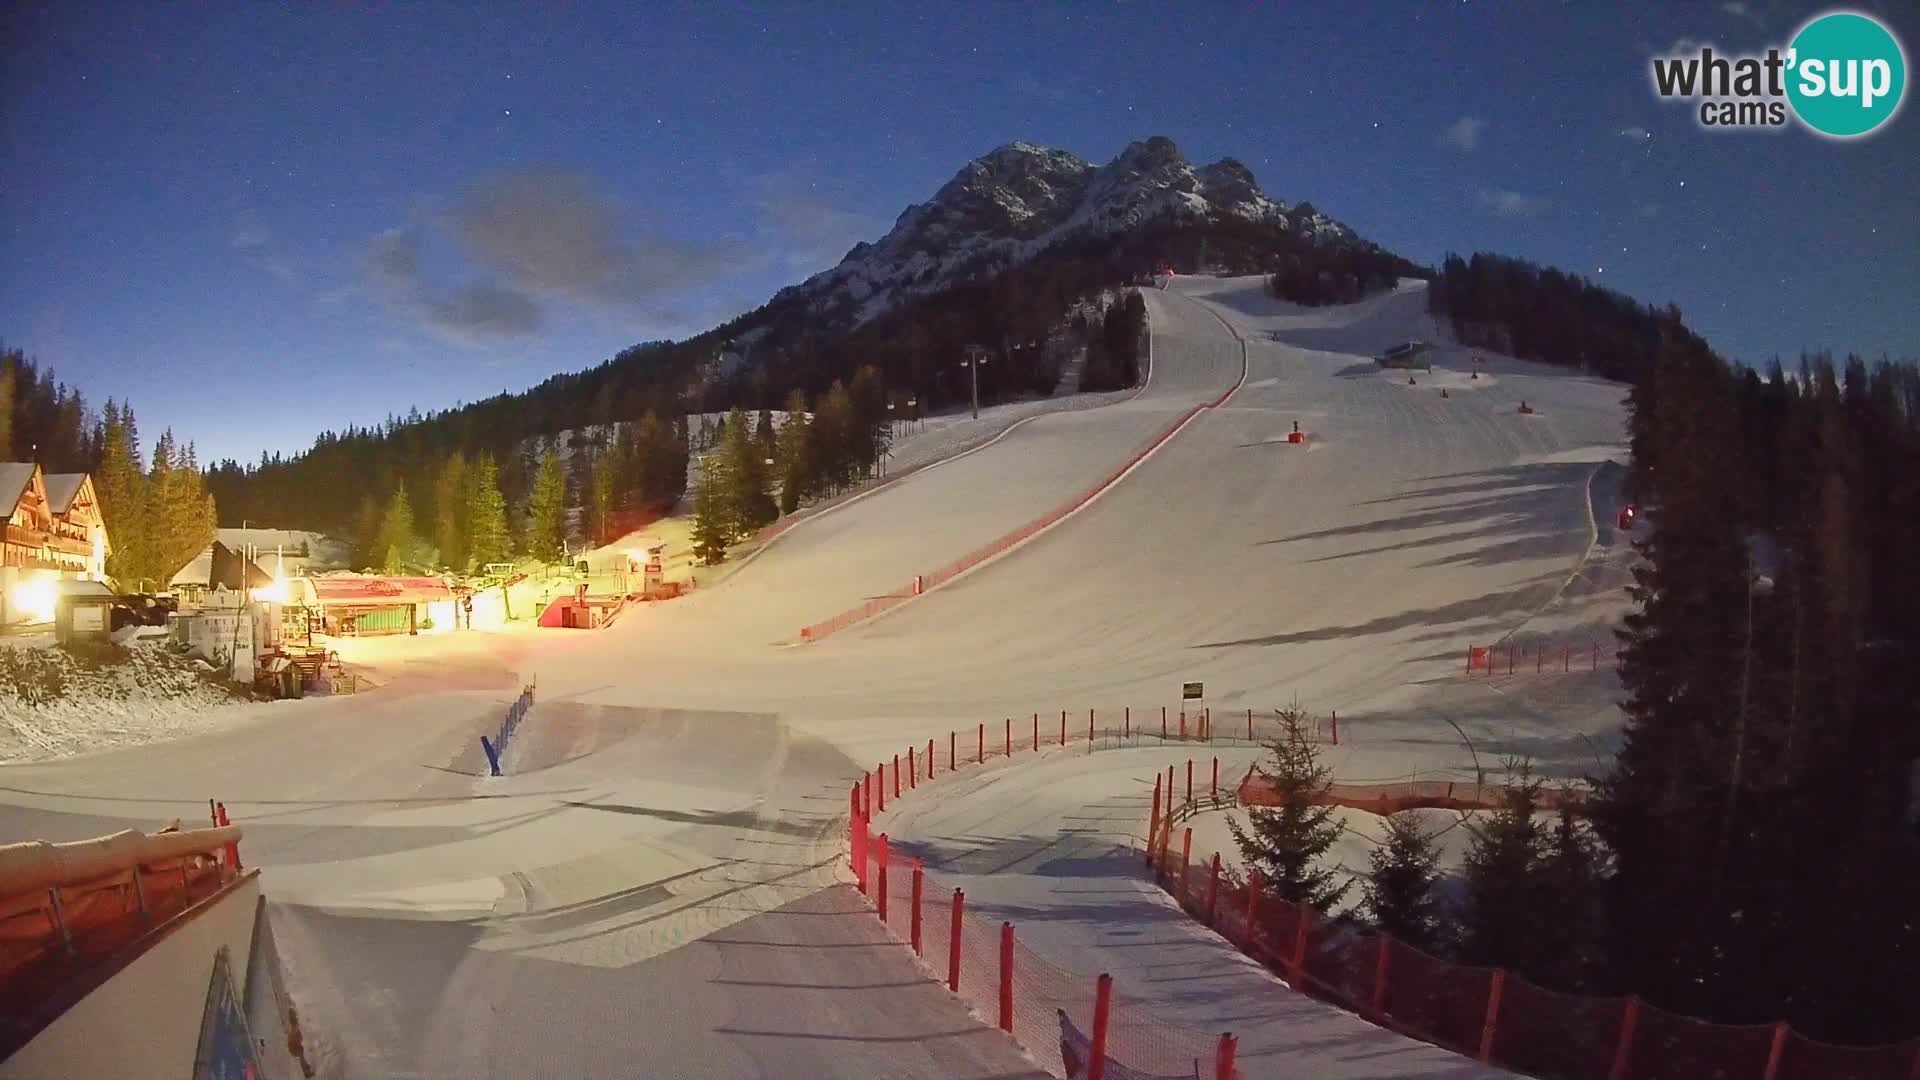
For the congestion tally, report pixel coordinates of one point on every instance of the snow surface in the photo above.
(657, 875)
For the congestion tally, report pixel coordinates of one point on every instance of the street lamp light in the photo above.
(976, 355)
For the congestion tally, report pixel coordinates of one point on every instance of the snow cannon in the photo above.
(1410, 381)
(1627, 517)
(1296, 436)
(1526, 409)
(1443, 391)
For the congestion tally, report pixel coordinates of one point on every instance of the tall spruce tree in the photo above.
(601, 501)
(1402, 883)
(397, 536)
(1501, 926)
(1663, 808)
(713, 522)
(7, 379)
(1571, 873)
(450, 510)
(749, 505)
(1286, 842)
(547, 533)
(795, 452)
(486, 515)
(121, 486)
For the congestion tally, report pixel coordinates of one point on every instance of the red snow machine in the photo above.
(1627, 517)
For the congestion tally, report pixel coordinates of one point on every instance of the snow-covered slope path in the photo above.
(1053, 846)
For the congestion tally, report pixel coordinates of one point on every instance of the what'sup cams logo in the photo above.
(1843, 75)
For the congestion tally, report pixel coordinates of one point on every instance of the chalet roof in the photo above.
(14, 478)
(61, 489)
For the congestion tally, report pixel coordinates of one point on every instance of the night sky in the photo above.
(258, 222)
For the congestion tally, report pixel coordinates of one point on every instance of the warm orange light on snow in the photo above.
(36, 597)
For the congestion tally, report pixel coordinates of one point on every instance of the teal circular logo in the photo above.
(1846, 74)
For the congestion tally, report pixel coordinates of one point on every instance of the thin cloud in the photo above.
(1464, 134)
(816, 232)
(1506, 203)
(1636, 133)
(474, 313)
(556, 231)
(250, 233)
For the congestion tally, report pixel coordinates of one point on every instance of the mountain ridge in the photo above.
(1011, 204)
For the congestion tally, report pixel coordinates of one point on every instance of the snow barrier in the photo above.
(933, 580)
(510, 723)
(1491, 1014)
(67, 909)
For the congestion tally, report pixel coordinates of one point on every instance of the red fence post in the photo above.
(896, 776)
(1223, 1057)
(1189, 779)
(1063, 727)
(1006, 976)
(1216, 778)
(857, 851)
(1380, 965)
(1009, 736)
(953, 941)
(1102, 1002)
(1126, 723)
(913, 769)
(1186, 858)
(1036, 731)
(1169, 794)
(1163, 721)
(1493, 1015)
(980, 751)
(1213, 887)
(881, 785)
(1089, 725)
(1153, 819)
(1299, 962)
(1206, 723)
(918, 875)
(233, 846)
(1629, 1019)
(883, 877)
(1249, 725)
(1773, 1053)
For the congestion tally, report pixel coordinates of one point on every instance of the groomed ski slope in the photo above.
(680, 777)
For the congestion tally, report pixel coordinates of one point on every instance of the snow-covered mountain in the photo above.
(1016, 202)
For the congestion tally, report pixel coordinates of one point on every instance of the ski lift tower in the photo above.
(975, 356)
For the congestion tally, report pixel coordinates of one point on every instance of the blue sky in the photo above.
(258, 222)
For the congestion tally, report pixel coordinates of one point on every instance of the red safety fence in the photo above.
(1492, 1015)
(966, 562)
(1541, 657)
(1067, 1021)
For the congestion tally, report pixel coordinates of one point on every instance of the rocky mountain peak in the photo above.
(1014, 202)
